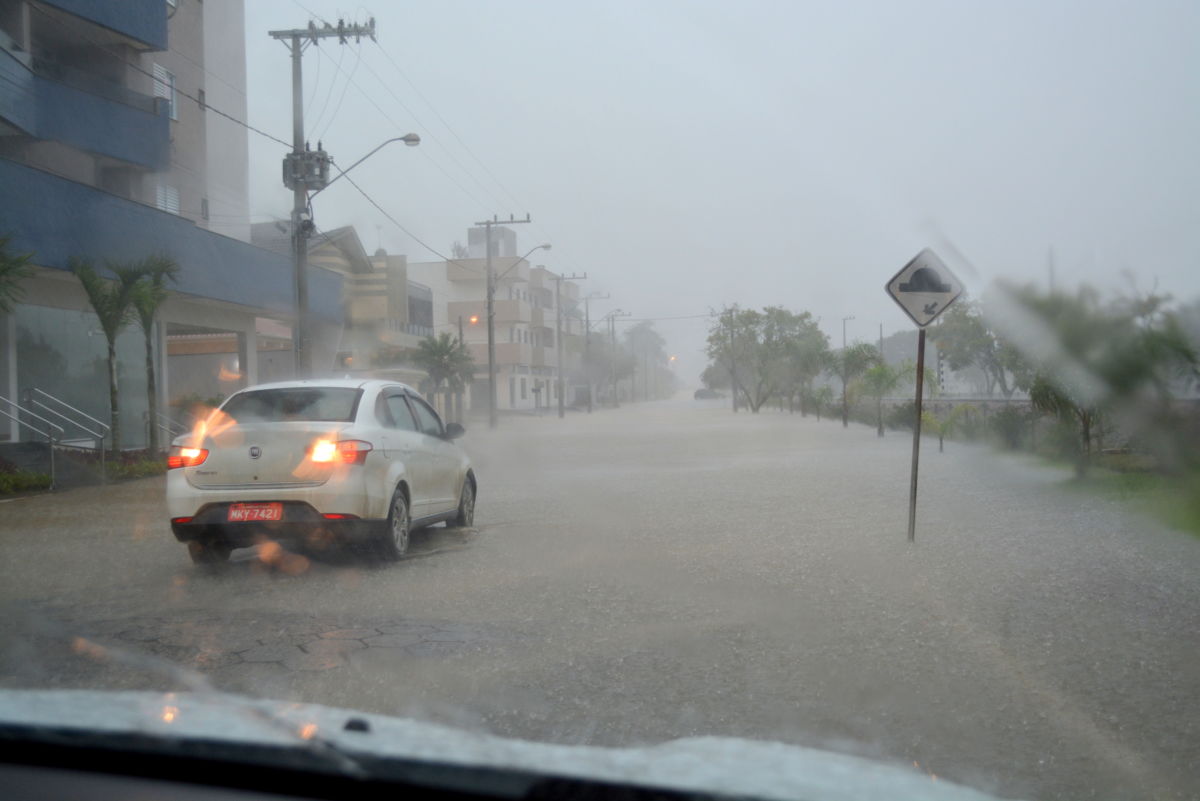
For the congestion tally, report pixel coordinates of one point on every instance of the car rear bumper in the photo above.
(348, 493)
(302, 525)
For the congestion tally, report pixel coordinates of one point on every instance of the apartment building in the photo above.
(385, 314)
(526, 315)
(109, 151)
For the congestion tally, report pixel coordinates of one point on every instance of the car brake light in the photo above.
(348, 451)
(181, 456)
(338, 516)
(181, 519)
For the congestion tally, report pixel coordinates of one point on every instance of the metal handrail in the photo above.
(79, 412)
(21, 422)
(105, 429)
(166, 423)
(98, 435)
(20, 409)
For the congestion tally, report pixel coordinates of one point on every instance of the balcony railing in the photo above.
(93, 84)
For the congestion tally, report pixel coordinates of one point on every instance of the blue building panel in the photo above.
(144, 21)
(17, 94)
(47, 109)
(57, 219)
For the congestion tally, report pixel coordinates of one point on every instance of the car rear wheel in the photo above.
(392, 542)
(209, 553)
(466, 504)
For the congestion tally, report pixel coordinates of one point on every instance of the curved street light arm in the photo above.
(518, 261)
(412, 140)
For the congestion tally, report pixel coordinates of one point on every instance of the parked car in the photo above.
(360, 463)
(704, 393)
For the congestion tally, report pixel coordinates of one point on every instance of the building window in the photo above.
(164, 87)
(512, 391)
(167, 198)
(204, 207)
(523, 394)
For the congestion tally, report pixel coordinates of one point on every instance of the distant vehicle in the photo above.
(360, 462)
(704, 393)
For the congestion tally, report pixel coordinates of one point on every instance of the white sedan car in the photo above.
(360, 463)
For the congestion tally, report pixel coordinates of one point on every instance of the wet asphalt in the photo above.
(668, 570)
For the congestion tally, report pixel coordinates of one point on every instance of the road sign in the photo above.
(924, 288)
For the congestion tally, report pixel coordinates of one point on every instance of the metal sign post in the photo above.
(924, 288)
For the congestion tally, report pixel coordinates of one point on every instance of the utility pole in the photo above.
(558, 344)
(491, 314)
(306, 170)
(587, 341)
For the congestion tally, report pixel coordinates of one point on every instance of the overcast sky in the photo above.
(687, 155)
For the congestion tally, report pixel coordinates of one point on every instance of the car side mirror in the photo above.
(454, 430)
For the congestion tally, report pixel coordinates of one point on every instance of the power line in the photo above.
(659, 319)
(397, 223)
(204, 105)
(345, 88)
(429, 134)
(396, 126)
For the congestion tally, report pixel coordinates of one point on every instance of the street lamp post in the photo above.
(491, 323)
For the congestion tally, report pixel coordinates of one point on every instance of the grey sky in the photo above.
(691, 154)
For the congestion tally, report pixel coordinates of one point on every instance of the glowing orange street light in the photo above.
(473, 319)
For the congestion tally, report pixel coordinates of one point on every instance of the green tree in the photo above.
(149, 294)
(821, 398)
(847, 365)
(804, 359)
(754, 347)
(965, 338)
(879, 380)
(944, 426)
(14, 270)
(111, 301)
(447, 362)
(1092, 358)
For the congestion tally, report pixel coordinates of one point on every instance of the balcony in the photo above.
(511, 311)
(509, 353)
(57, 219)
(142, 22)
(82, 111)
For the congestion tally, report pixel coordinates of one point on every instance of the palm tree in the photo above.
(148, 294)
(14, 269)
(879, 381)
(446, 360)
(848, 364)
(822, 397)
(111, 301)
(944, 426)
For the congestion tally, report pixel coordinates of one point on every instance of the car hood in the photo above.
(714, 765)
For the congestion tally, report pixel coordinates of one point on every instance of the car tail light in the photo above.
(339, 516)
(347, 451)
(180, 456)
(181, 519)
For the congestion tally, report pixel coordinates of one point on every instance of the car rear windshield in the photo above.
(325, 404)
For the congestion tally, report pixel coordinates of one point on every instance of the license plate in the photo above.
(246, 512)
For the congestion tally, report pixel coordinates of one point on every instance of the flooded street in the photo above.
(670, 570)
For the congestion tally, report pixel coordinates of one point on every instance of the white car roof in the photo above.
(347, 383)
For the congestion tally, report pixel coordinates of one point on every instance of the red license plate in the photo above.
(246, 512)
